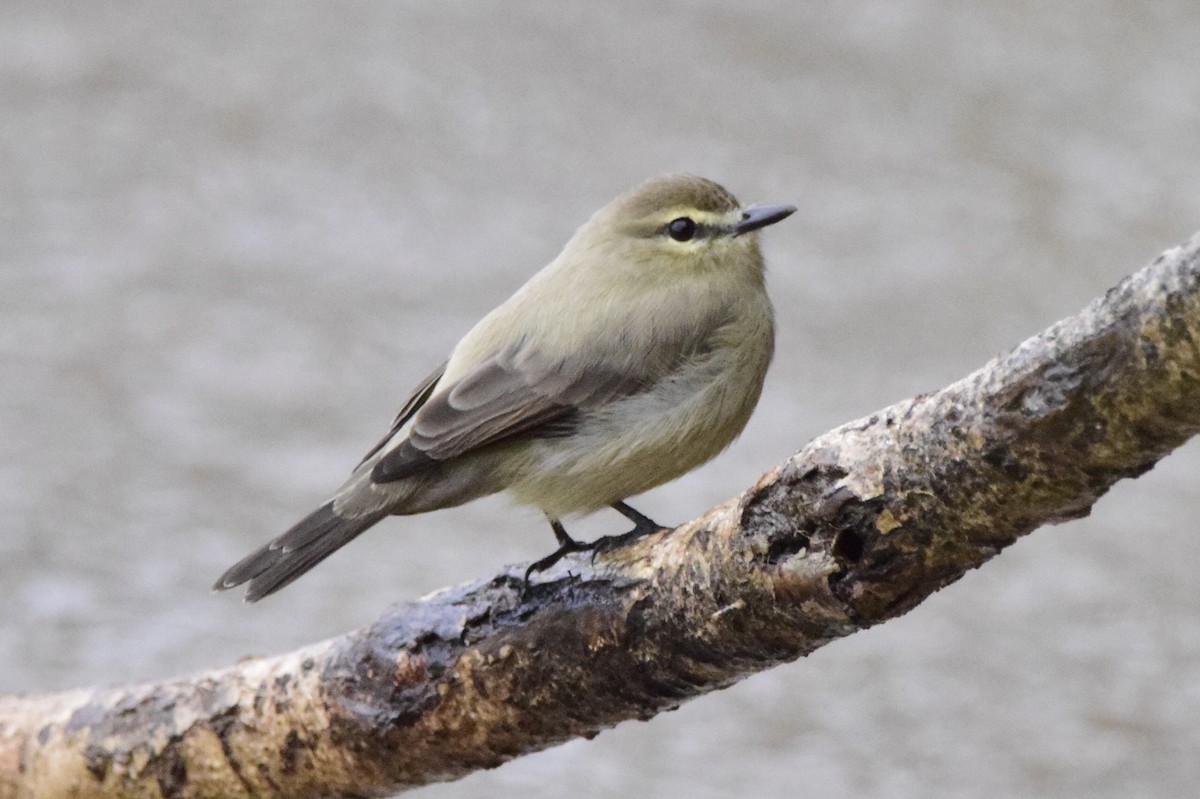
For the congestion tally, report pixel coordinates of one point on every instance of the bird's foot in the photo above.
(566, 545)
(642, 526)
(640, 530)
(555, 556)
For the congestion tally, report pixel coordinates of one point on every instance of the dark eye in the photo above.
(681, 229)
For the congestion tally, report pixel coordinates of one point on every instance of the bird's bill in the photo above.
(754, 218)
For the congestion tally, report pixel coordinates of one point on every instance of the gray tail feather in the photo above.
(310, 541)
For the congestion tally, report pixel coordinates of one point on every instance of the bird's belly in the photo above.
(635, 445)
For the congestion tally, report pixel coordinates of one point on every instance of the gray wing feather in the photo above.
(413, 404)
(512, 394)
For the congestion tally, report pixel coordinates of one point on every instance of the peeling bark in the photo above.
(858, 527)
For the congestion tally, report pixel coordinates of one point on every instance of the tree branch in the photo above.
(857, 528)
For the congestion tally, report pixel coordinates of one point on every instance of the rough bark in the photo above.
(858, 527)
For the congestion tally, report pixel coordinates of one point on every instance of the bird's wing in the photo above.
(411, 405)
(515, 393)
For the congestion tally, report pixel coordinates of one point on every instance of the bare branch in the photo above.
(858, 527)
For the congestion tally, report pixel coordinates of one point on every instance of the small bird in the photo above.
(633, 357)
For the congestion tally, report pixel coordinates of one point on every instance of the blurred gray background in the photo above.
(233, 236)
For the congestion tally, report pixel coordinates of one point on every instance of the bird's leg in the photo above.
(565, 541)
(566, 545)
(642, 525)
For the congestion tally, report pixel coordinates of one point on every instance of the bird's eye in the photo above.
(681, 229)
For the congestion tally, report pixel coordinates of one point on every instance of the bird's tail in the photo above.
(307, 543)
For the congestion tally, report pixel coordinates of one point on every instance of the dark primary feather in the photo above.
(413, 404)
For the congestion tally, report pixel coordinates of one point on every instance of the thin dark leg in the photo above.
(560, 533)
(642, 525)
(566, 545)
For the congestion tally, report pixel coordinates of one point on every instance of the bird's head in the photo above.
(680, 223)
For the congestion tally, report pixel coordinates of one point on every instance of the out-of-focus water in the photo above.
(232, 236)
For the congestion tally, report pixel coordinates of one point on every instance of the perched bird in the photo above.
(633, 357)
